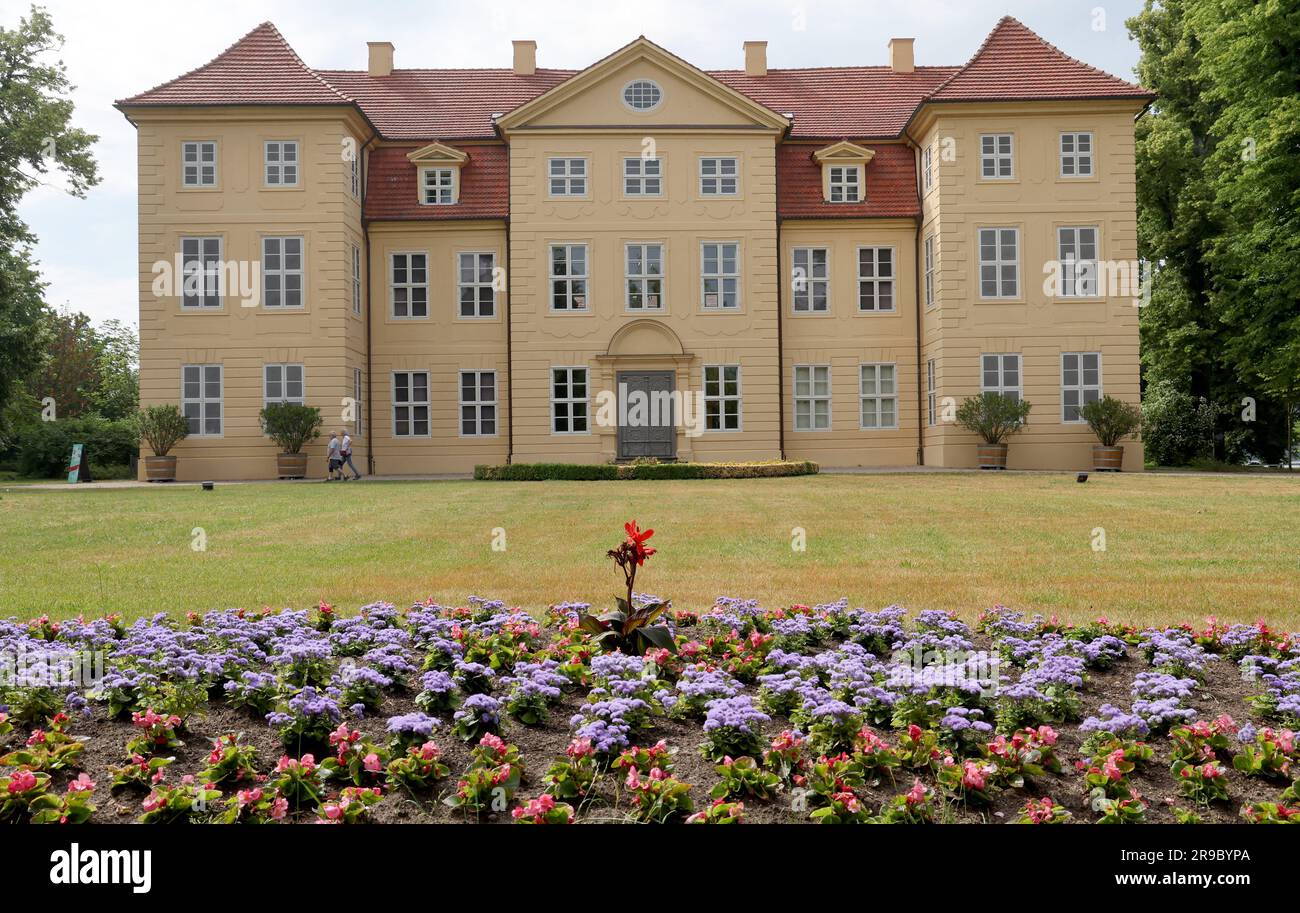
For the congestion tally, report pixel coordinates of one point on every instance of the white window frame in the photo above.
(638, 284)
(1080, 161)
(213, 272)
(569, 400)
(996, 151)
(928, 258)
(640, 173)
(443, 188)
(358, 404)
(409, 286)
(568, 177)
(877, 397)
(478, 404)
(483, 293)
(283, 370)
(999, 262)
(205, 159)
(570, 281)
(284, 273)
(881, 281)
(812, 397)
(721, 277)
(720, 398)
(203, 400)
(1001, 365)
(354, 175)
(286, 163)
(931, 394)
(840, 180)
(411, 404)
(714, 177)
(927, 168)
(1078, 274)
(1080, 387)
(804, 288)
(356, 278)
(637, 85)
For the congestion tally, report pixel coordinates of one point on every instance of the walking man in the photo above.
(335, 459)
(347, 455)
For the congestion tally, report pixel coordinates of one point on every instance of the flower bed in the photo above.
(819, 714)
(541, 472)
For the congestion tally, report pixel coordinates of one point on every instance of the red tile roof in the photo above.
(258, 69)
(890, 176)
(1014, 63)
(392, 190)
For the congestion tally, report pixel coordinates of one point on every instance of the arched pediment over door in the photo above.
(645, 338)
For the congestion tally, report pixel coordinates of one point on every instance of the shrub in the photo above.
(43, 448)
(1111, 419)
(571, 472)
(992, 416)
(1177, 428)
(291, 425)
(162, 427)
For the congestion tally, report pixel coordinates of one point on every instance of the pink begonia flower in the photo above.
(917, 793)
(371, 763)
(1047, 735)
(152, 803)
(279, 808)
(21, 781)
(83, 784)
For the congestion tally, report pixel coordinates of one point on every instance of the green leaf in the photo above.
(659, 636)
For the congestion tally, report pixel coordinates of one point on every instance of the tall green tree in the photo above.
(37, 138)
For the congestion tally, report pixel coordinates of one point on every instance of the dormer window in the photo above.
(844, 172)
(845, 184)
(437, 186)
(438, 167)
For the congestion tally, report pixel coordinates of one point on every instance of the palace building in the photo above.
(462, 266)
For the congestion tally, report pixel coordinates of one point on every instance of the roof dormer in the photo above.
(439, 169)
(844, 177)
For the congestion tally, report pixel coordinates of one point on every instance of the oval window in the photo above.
(642, 95)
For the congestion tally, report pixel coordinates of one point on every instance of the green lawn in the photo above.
(1178, 548)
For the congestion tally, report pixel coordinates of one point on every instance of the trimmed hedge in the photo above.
(575, 472)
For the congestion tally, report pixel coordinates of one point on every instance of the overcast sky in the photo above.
(117, 48)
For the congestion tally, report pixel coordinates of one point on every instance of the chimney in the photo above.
(525, 57)
(381, 58)
(755, 58)
(901, 57)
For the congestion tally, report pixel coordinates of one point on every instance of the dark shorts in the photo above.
(335, 463)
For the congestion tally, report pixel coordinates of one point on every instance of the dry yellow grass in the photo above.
(1178, 548)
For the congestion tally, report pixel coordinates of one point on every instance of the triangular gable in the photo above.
(844, 151)
(643, 49)
(1015, 64)
(438, 154)
(260, 68)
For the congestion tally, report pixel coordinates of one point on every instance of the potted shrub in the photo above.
(1111, 420)
(292, 426)
(994, 418)
(162, 427)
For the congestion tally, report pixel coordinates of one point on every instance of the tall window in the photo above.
(569, 400)
(929, 271)
(478, 403)
(567, 176)
(642, 177)
(722, 397)
(1080, 382)
(356, 279)
(719, 177)
(281, 161)
(354, 175)
(1077, 254)
(931, 394)
(198, 164)
(812, 397)
(437, 186)
(201, 279)
(875, 278)
(878, 392)
(282, 272)
(720, 275)
(410, 404)
(475, 284)
(282, 384)
(999, 262)
(844, 184)
(201, 398)
(357, 403)
(995, 156)
(1076, 155)
(568, 277)
(410, 285)
(645, 277)
(927, 167)
(810, 282)
(1000, 373)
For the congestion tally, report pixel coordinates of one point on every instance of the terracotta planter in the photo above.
(160, 468)
(1107, 459)
(992, 456)
(291, 465)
